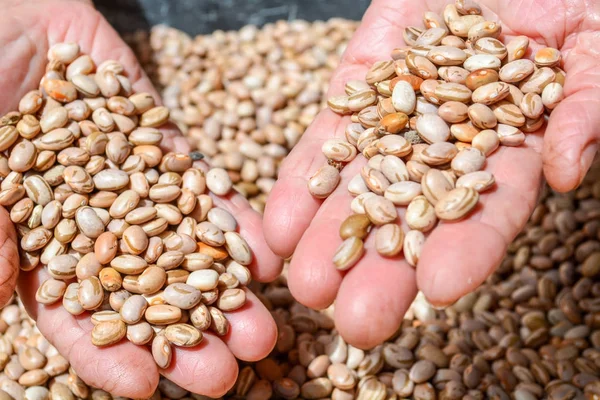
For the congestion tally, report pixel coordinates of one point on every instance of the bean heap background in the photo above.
(427, 119)
(113, 219)
(245, 98)
(538, 313)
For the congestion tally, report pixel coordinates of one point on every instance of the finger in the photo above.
(290, 206)
(104, 43)
(379, 33)
(9, 258)
(253, 333)
(123, 369)
(458, 257)
(529, 19)
(265, 265)
(373, 299)
(572, 136)
(312, 277)
(377, 291)
(208, 369)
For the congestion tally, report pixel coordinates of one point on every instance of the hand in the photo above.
(27, 30)
(372, 298)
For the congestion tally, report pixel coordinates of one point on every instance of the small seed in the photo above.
(456, 204)
(348, 253)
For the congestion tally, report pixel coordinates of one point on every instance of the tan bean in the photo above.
(109, 332)
(487, 141)
(154, 117)
(35, 239)
(182, 295)
(31, 102)
(479, 180)
(439, 153)
(133, 309)
(129, 264)
(380, 210)
(456, 204)
(453, 112)
(140, 333)
(110, 279)
(413, 244)
(70, 301)
(62, 267)
(432, 128)
(162, 314)
(161, 351)
(435, 185)
(420, 214)
(537, 81)
(183, 335)
(481, 77)
(509, 135)
(50, 291)
(23, 156)
(60, 90)
(389, 240)
(38, 190)
(111, 180)
(467, 161)
(238, 248)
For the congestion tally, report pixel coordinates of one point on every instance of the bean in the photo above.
(89, 223)
(348, 253)
(162, 314)
(106, 247)
(140, 333)
(412, 246)
(70, 301)
(237, 248)
(182, 295)
(467, 161)
(339, 150)
(154, 117)
(161, 351)
(50, 291)
(456, 204)
(324, 181)
(129, 264)
(355, 225)
(231, 299)
(135, 239)
(63, 267)
(110, 279)
(420, 214)
(133, 309)
(479, 180)
(432, 128)
(183, 335)
(91, 293)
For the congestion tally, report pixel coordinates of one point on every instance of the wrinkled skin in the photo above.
(372, 298)
(27, 29)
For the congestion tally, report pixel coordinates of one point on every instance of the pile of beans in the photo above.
(245, 98)
(125, 231)
(427, 119)
(531, 331)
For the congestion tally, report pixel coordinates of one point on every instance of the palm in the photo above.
(372, 298)
(125, 369)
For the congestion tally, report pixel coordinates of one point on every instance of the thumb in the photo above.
(573, 133)
(9, 258)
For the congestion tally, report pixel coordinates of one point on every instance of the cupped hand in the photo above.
(372, 298)
(27, 30)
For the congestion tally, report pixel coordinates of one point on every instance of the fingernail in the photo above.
(440, 307)
(587, 158)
